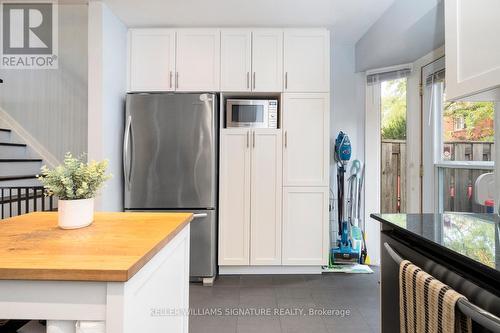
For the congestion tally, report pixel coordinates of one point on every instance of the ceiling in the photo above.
(348, 19)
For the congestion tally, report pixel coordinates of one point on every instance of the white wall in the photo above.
(51, 104)
(347, 106)
(107, 88)
(406, 31)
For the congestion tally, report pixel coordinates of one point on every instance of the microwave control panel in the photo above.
(272, 121)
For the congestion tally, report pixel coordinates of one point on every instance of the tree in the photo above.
(476, 115)
(394, 109)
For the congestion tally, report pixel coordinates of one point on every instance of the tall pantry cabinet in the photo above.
(274, 183)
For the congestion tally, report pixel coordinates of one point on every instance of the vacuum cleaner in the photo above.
(350, 245)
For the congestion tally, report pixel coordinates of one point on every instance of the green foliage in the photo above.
(394, 109)
(475, 239)
(75, 178)
(474, 114)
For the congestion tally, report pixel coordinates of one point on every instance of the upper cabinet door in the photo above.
(306, 154)
(307, 60)
(267, 60)
(151, 59)
(198, 60)
(472, 49)
(236, 59)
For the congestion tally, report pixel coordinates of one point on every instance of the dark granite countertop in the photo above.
(467, 239)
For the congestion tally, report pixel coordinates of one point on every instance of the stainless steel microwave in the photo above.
(255, 113)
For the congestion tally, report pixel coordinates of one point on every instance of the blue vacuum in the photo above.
(349, 239)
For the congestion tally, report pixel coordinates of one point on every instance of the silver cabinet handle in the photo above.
(253, 139)
(286, 80)
(199, 215)
(248, 80)
(248, 139)
(177, 79)
(126, 159)
(253, 80)
(286, 139)
(170, 78)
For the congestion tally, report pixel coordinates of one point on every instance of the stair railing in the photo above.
(18, 200)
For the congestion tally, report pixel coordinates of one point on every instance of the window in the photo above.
(459, 122)
(459, 146)
(393, 145)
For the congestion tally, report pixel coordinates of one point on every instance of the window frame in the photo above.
(434, 163)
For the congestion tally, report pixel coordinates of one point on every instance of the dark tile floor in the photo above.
(251, 303)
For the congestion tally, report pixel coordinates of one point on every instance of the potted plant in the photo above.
(75, 183)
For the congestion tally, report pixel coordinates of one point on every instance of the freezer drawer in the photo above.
(203, 242)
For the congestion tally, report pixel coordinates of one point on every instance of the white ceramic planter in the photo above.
(74, 214)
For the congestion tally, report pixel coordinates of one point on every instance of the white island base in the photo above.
(153, 300)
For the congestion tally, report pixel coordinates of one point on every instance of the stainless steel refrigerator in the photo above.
(170, 163)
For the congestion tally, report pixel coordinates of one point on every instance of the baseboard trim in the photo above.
(50, 160)
(265, 270)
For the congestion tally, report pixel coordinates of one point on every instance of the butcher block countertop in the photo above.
(113, 248)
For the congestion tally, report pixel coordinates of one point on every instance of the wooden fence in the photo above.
(393, 177)
(458, 183)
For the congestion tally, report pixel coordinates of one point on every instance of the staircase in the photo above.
(20, 190)
(17, 165)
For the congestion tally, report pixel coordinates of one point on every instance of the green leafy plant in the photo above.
(75, 178)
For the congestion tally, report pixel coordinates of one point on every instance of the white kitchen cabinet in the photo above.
(250, 197)
(234, 196)
(306, 135)
(197, 60)
(305, 226)
(267, 60)
(236, 59)
(265, 212)
(151, 59)
(306, 60)
(472, 51)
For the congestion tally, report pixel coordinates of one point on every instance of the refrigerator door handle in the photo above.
(126, 159)
(199, 215)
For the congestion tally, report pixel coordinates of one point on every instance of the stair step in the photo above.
(19, 160)
(10, 144)
(19, 166)
(5, 134)
(13, 150)
(5, 178)
(23, 182)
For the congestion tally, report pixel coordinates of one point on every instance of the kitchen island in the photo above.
(462, 250)
(128, 271)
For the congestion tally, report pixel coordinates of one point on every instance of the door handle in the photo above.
(253, 139)
(248, 80)
(248, 139)
(199, 215)
(286, 80)
(253, 80)
(286, 139)
(170, 78)
(126, 159)
(176, 79)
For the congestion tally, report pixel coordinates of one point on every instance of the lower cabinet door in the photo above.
(234, 197)
(265, 212)
(305, 226)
